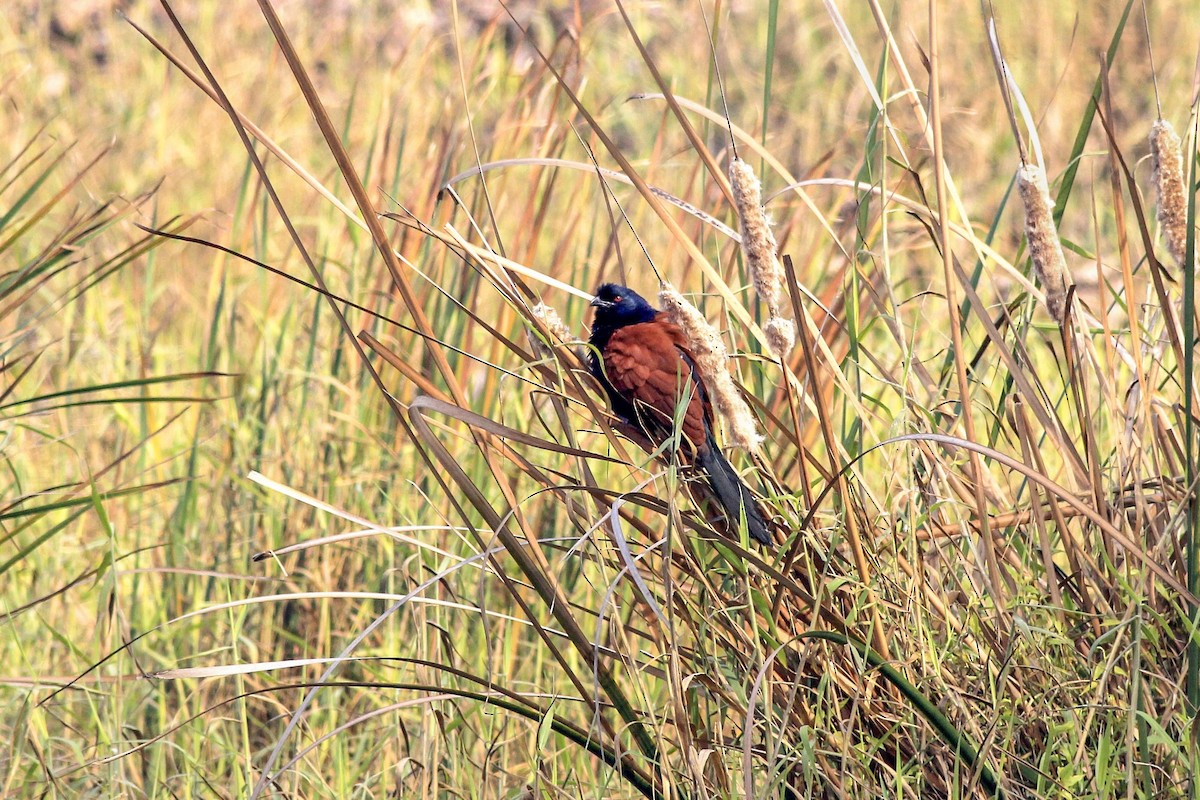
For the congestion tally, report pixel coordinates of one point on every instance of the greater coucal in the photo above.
(643, 362)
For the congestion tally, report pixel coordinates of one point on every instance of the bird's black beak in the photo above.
(597, 302)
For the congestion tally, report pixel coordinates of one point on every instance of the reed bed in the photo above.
(312, 494)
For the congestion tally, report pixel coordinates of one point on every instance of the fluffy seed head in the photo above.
(1168, 183)
(781, 336)
(1044, 246)
(553, 321)
(762, 254)
(554, 324)
(758, 242)
(706, 345)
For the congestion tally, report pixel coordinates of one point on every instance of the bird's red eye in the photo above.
(616, 298)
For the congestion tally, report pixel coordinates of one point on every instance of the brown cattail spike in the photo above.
(758, 241)
(708, 348)
(761, 250)
(1168, 183)
(1044, 246)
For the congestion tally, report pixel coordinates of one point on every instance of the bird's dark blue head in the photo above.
(617, 306)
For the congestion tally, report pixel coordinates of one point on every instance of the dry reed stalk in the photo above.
(758, 243)
(1044, 246)
(708, 348)
(1168, 184)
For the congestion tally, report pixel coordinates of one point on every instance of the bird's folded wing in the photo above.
(645, 364)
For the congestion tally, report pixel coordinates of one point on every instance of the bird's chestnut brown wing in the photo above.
(701, 387)
(681, 344)
(646, 365)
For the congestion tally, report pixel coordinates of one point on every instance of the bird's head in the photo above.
(617, 306)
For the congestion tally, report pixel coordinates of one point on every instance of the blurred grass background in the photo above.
(420, 93)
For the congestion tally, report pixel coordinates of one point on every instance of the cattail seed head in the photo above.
(781, 336)
(758, 242)
(762, 254)
(708, 348)
(1168, 183)
(1044, 246)
(554, 324)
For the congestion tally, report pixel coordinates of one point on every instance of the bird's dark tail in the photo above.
(733, 495)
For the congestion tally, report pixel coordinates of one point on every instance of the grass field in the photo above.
(382, 538)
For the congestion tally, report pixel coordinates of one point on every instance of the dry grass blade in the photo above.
(606, 174)
(965, 400)
(693, 137)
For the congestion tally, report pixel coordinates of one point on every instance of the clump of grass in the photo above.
(56, 269)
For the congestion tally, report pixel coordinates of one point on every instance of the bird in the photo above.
(643, 362)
